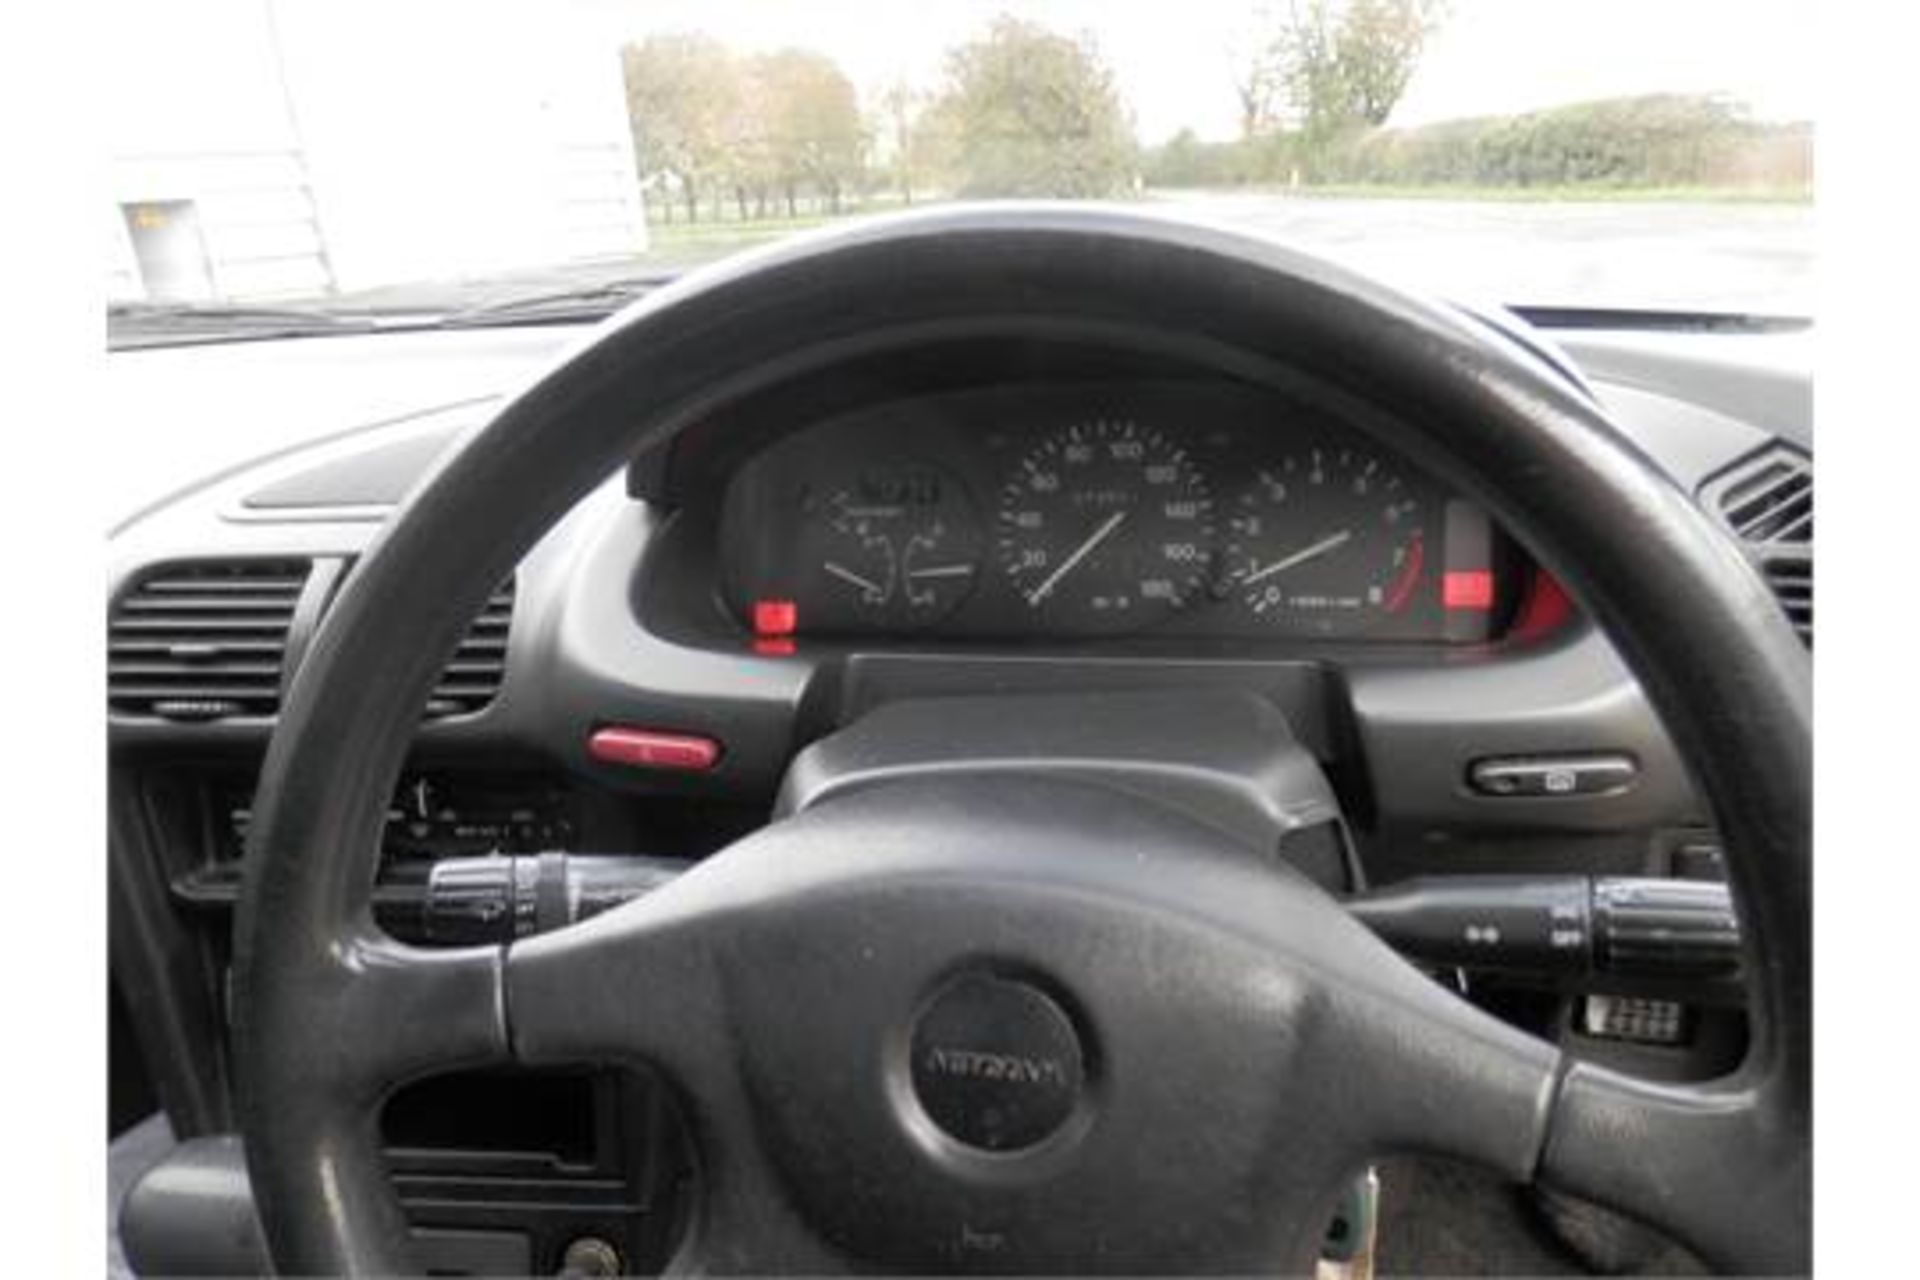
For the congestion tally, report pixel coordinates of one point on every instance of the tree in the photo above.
(682, 101)
(1336, 65)
(1028, 112)
(901, 130)
(710, 124)
(1184, 161)
(1376, 48)
(750, 165)
(1261, 88)
(815, 137)
(1259, 82)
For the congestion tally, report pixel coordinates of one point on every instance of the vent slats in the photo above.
(1770, 498)
(234, 690)
(234, 605)
(135, 649)
(1766, 499)
(169, 670)
(1792, 583)
(477, 668)
(246, 586)
(263, 625)
(203, 642)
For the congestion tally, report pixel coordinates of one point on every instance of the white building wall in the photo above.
(360, 143)
(199, 115)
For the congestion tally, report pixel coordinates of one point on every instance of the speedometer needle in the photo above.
(1084, 550)
(1301, 556)
(851, 578)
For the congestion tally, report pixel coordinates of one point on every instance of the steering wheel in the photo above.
(1016, 1024)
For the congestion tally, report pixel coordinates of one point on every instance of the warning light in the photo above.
(1467, 589)
(775, 617)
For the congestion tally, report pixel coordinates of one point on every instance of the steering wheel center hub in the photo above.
(996, 1063)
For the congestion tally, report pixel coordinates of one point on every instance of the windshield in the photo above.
(286, 167)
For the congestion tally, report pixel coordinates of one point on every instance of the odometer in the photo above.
(1105, 525)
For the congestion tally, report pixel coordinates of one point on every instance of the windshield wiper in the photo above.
(580, 304)
(165, 324)
(1666, 320)
(135, 324)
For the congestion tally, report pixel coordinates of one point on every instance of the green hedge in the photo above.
(1656, 141)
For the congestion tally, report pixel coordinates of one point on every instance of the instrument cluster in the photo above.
(1181, 510)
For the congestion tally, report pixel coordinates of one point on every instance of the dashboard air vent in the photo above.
(1792, 581)
(479, 665)
(1766, 499)
(1769, 498)
(200, 642)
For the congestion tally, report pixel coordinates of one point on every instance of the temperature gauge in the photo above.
(893, 546)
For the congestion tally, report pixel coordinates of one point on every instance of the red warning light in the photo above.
(775, 617)
(1467, 589)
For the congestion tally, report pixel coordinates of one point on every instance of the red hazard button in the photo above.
(653, 749)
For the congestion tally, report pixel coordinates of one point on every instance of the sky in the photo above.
(1175, 59)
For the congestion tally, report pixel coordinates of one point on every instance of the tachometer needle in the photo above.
(851, 578)
(942, 571)
(1085, 549)
(1301, 556)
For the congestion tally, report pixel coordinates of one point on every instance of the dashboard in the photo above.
(1184, 511)
(893, 540)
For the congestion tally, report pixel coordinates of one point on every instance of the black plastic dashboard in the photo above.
(1001, 524)
(642, 612)
(639, 609)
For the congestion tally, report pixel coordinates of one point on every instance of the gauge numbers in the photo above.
(894, 544)
(1105, 525)
(1325, 539)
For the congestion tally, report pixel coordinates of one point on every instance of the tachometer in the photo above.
(1326, 540)
(1105, 525)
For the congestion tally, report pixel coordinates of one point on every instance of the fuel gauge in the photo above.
(896, 545)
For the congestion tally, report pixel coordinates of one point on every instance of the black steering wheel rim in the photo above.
(317, 984)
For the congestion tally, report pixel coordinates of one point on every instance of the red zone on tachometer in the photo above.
(1401, 589)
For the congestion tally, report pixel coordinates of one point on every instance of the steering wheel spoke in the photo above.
(643, 986)
(746, 1221)
(418, 1010)
(1724, 1166)
(339, 1026)
(374, 1013)
(1444, 1077)
(630, 985)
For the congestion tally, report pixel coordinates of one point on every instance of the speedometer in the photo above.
(1105, 525)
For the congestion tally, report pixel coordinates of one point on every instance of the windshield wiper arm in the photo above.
(586, 302)
(194, 314)
(166, 323)
(1665, 319)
